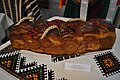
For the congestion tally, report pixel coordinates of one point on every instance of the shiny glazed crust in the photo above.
(71, 37)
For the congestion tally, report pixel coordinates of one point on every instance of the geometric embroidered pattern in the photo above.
(57, 58)
(108, 63)
(12, 62)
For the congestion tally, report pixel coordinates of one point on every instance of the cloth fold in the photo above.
(5, 23)
(96, 9)
(72, 10)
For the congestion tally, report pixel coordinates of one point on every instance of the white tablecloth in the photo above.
(5, 23)
(59, 67)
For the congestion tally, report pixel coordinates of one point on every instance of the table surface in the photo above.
(59, 67)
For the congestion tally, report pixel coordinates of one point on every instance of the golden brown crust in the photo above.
(75, 37)
(32, 43)
(17, 41)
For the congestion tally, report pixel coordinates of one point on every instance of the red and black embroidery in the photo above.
(108, 63)
(12, 61)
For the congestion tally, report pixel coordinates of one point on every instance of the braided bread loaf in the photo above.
(60, 37)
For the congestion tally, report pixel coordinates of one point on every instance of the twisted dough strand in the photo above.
(23, 19)
(48, 29)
